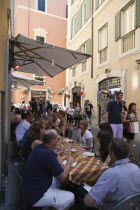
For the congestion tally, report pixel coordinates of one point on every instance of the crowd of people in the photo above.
(36, 131)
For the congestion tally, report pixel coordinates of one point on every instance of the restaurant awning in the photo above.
(21, 80)
(44, 59)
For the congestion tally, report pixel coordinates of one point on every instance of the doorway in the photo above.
(107, 89)
(76, 98)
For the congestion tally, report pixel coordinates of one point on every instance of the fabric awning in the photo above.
(21, 80)
(44, 59)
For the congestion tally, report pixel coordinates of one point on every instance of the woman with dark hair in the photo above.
(124, 118)
(131, 117)
(104, 139)
(34, 137)
(106, 127)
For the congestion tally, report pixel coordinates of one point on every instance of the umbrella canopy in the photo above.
(44, 59)
(21, 80)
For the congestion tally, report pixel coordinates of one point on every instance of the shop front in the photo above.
(106, 92)
(38, 95)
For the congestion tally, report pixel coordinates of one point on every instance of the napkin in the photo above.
(72, 165)
(89, 154)
(68, 140)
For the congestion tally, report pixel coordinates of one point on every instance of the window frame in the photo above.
(72, 71)
(45, 6)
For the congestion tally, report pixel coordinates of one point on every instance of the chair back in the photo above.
(21, 204)
(93, 141)
(20, 153)
(131, 202)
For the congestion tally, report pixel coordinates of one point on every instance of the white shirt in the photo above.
(71, 111)
(21, 129)
(57, 122)
(83, 139)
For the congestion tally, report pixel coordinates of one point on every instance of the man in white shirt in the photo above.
(23, 127)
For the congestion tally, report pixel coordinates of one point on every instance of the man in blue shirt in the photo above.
(117, 182)
(43, 173)
(113, 115)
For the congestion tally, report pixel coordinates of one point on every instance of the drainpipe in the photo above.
(92, 32)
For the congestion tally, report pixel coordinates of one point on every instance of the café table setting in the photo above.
(86, 168)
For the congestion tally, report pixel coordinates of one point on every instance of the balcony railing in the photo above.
(103, 55)
(128, 41)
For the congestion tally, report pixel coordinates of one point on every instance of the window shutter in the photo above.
(96, 4)
(71, 28)
(137, 9)
(77, 22)
(88, 9)
(88, 46)
(102, 1)
(118, 26)
(80, 18)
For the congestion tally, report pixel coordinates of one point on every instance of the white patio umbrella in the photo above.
(21, 80)
(44, 59)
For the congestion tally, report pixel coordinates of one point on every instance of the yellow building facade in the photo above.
(115, 30)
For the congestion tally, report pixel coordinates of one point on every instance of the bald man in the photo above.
(43, 174)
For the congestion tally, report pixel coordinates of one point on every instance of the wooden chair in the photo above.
(131, 202)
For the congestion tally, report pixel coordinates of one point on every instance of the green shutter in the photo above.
(137, 9)
(88, 9)
(80, 18)
(88, 46)
(102, 1)
(118, 26)
(96, 4)
(77, 22)
(71, 28)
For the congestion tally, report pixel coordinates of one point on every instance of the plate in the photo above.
(68, 141)
(89, 154)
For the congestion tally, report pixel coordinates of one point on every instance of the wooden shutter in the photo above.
(77, 22)
(118, 26)
(71, 28)
(137, 16)
(96, 4)
(80, 18)
(88, 9)
(88, 46)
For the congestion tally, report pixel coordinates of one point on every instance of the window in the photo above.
(84, 12)
(40, 38)
(98, 3)
(103, 43)
(74, 71)
(41, 5)
(81, 17)
(127, 19)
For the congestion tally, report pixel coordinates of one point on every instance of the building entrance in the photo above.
(76, 98)
(39, 94)
(107, 89)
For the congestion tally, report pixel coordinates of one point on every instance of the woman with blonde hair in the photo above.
(85, 137)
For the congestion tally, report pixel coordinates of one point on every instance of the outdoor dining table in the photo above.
(85, 172)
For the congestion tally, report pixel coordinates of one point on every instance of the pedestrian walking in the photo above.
(113, 115)
(88, 112)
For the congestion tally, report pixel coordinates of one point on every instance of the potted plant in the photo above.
(50, 90)
(79, 93)
(61, 91)
(67, 95)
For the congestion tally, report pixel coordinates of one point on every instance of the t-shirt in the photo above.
(114, 108)
(82, 139)
(71, 111)
(49, 106)
(41, 166)
(88, 108)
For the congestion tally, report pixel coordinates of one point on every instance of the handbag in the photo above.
(133, 127)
